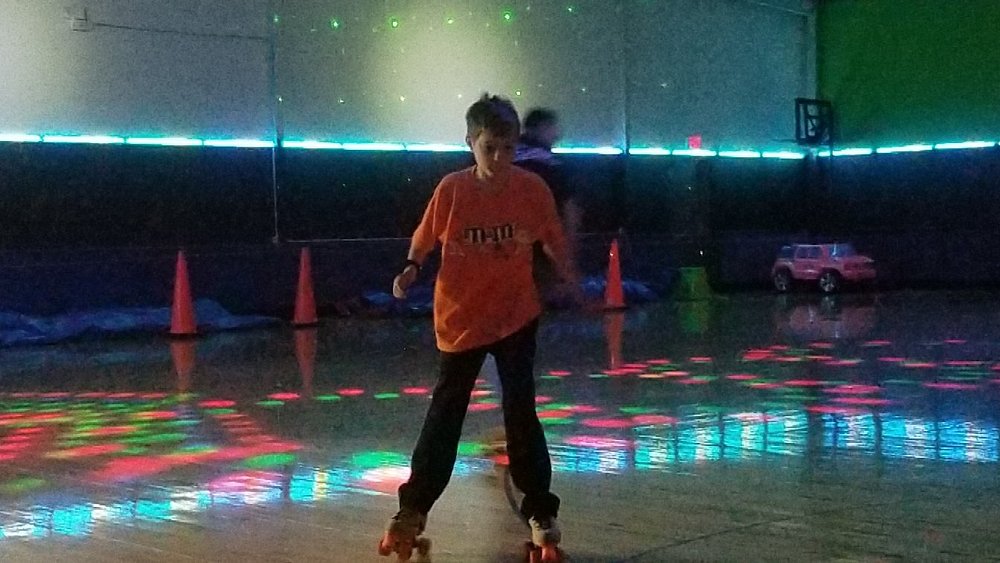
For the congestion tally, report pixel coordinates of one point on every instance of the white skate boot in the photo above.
(545, 538)
(403, 535)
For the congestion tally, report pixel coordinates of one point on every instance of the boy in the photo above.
(486, 218)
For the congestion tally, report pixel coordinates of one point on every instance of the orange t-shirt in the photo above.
(485, 290)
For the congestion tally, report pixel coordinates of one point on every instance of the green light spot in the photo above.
(268, 460)
(328, 398)
(270, 404)
(157, 438)
(556, 407)
(21, 485)
(449, 21)
(471, 448)
(334, 23)
(571, 9)
(507, 15)
(216, 412)
(394, 23)
(134, 450)
(555, 421)
(598, 376)
(372, 460)
(387, 395)
(637, 410)
(556, 377)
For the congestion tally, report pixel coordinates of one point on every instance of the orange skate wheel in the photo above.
(550, 554)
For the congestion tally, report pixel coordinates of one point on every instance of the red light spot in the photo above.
(542, 399)
(153, 395)
(877, 343)
(952, 386)
(216, 404)
(60, 395)
(351, 392)
(88, 451)
(156, 415)
(741, 377)
(805, 383)
(868, 401)
(788, 359)
(653, 419)
(284, 396)
(481, 392)
(843, 363)
(764, 385)
(416, 390)
(700, 359)
(830, 409)
(598, 442)
(954, 341)
(608, 423)
(964, 363)
(818, 358)
(14, 446)
(111, 431)
(853, 389)
(480, 407)
(559, 373)
(676, 373)
(584, 409)
(121, 395)
(919, 365)
(822, 345)
(692, 381)
(555, 414)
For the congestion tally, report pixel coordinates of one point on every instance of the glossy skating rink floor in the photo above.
(751, 427)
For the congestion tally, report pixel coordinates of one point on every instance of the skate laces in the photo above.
(544, 529)
(409, 520)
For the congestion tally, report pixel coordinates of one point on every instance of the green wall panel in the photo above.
(901, 71)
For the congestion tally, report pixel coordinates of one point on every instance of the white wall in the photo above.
(725, 69)
(132, 82)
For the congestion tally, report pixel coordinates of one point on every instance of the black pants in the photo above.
(436, 450)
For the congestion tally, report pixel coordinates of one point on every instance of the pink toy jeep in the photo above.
(827, 265)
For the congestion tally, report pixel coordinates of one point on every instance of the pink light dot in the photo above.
(351, 392)
(741, 377)
(598, 442)
(653, 419)
(480, 407)
(542, 399)
(284, 396)
(416, 390)
(216, 404)
(868, 401)
(658, 362)
(805, 383)
(951, 386)
(607, 423)
(559, 373)
(700, 359)
(692, 381)
(853, 389)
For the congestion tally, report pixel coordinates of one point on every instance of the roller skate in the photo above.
(544, 544)
(402, 537)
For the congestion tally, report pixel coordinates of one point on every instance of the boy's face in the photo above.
(494, 153)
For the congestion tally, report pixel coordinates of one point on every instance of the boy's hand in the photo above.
(403, 281)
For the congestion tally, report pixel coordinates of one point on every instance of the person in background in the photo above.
(539, 134)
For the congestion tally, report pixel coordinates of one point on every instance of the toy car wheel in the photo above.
(782, 280)
(829, 282)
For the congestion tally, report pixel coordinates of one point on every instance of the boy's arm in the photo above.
(421, 244)
(553, 239)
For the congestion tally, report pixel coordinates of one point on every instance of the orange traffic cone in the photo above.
(182, 320)
(614, 326)
(305, 300)
(305, 354)
(614, 297)
(182, 353)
